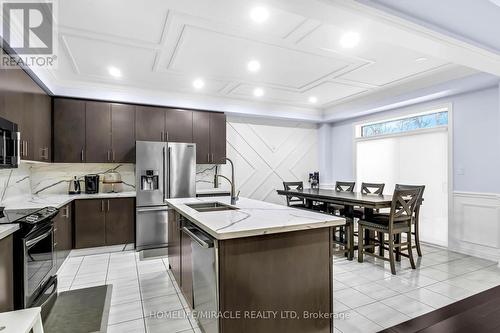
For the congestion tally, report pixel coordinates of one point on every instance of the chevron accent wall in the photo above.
(265, 154)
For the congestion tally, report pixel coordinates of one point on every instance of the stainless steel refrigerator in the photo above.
(163, 170)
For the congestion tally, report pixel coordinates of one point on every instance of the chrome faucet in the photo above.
(234, 197)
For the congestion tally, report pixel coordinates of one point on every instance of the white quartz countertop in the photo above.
(7, 229)
(253, 218)
(59, 200)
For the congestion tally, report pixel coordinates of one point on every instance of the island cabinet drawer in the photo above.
(100, 222)
(6, 275)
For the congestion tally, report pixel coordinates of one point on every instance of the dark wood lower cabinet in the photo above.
(6, 275)
(90, 219)
(120, 220)
(63, 234)
(100, 222)
(174, 244)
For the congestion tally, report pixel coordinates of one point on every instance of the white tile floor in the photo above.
(139, 288)
(367, 295)
(374, 299)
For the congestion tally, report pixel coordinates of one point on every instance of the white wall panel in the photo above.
(265, 154)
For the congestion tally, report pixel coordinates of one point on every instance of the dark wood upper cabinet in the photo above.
(122, 133)
(209, 134)
(179, 125)
(149, 123)
(90, 223)
(102, 132)
(120, 221)
(217, 138)
(23, 102)
(98, 132)
(201, 136)
(42, 131)
(69, 130)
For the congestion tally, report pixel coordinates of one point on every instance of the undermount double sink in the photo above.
(210, 207)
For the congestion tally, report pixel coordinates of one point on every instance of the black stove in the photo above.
(35, 280)
(28, 217)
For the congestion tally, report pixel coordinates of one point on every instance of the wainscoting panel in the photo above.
(475, 229)
(265, 154)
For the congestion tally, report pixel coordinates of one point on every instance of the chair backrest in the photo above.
(372, 188)
(411, 187)
(404, 203)
(293, 186)
(345, 186)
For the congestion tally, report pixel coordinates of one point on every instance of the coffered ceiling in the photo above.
(159, 48)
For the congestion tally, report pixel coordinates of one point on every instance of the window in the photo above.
(435, 119)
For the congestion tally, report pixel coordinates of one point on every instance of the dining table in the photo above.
(368, 202)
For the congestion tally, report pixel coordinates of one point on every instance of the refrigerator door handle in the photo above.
(165, 196)
(168, 171)
(152, 209)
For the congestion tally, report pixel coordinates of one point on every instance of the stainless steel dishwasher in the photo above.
(205, 277)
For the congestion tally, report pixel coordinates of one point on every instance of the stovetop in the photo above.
(27, 216)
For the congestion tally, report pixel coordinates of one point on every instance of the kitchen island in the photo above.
(254, 266)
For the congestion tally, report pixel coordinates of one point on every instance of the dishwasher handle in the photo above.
(199, 238)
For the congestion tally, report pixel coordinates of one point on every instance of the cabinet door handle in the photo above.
(81, 155)
(212, 158)
(114, 159)
(167, 136)
(102, 205)
(27, 148)
(108, 154)
(108, 205)
(208, 157)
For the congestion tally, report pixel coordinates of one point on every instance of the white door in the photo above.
(417, 158)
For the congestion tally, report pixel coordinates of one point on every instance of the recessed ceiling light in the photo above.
(198, 83)
(258, 92)
(313, 99)
(496, 2)
(259, 14)
(113, 71)
(349, 40)
(253, 66)
(422, 59)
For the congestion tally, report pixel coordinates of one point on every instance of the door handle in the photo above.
(81, 155)
(167, 136)
(212, 157)
(198, 240)
(114, 159)
(108, 154)
(108, 206)
(208, 157)
(152, 209)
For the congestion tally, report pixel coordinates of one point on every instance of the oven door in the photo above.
(39, 262)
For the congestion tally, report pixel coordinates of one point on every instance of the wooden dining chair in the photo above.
(371, 189)
(416, 214)
(398, 221)
(292, 201)
(345, 233)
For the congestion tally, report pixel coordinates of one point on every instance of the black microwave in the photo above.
(9, 144)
